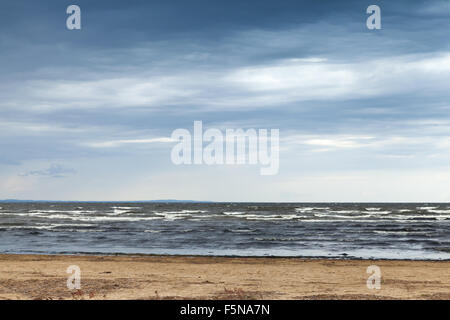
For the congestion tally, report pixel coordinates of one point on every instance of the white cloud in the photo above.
(39, 127)
(382, 145)
(128, 91)
(54, 171)
(301, 80)
(340, 142)
(121, 142)
(290, 80)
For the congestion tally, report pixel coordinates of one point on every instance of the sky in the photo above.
(363, 115)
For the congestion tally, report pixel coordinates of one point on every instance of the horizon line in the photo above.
(212, 201)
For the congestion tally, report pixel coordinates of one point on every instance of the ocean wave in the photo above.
(279, 239)
(233, 213)
(345, 211)
(326, 215)
(191, 211)
(173, 215)
(122, 210)
(240, 230)
(307, 209)
(51, 212)
(263, 217)
(439, 211)
(420, 216)
(400, 232)
(375, 213)
(116, 218)
(48, 226)
(270, 217)
(100, 218)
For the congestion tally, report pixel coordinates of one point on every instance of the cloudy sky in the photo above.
(364, 115)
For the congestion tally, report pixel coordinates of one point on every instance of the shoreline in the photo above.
(121, 254)
(36, 276)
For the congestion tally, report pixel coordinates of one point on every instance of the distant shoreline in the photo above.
(99, 201)
(122, 254)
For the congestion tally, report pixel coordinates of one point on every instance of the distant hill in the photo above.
(162, 201)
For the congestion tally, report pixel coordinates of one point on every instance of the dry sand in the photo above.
(184, 277)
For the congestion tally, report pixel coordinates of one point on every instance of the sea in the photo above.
(413, 231)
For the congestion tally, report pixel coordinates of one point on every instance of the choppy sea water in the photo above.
(356, 230)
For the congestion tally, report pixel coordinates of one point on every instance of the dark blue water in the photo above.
(391, 231)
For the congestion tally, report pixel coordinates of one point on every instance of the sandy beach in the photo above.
(186, 277)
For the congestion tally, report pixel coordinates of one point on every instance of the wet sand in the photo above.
(186, 277)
